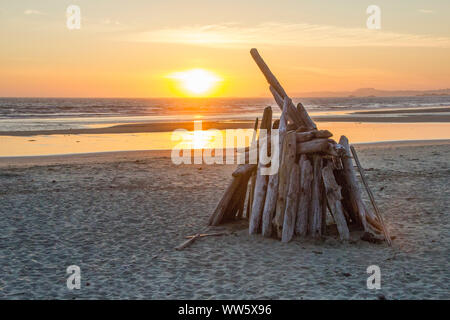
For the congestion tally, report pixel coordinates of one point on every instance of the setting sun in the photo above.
(196, 81)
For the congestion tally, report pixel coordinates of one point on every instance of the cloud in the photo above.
(425, 11)
(288, 34)
(33, 12)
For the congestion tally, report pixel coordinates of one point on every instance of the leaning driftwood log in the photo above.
(315, 216)
(293, 115)
(251, 194)
(187, 242)
(354, 192)
(287, 161)
(291, 205)
(316, 146)
(251, 187)
(219, 212)
(261, 180)
(244, 169)
(304, 201)
(305, 117)
(372, 198)
(333, 193)
(270, 202)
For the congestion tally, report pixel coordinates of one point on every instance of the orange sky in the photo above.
(128, 50)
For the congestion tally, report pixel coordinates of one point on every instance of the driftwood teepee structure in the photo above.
(315, 175)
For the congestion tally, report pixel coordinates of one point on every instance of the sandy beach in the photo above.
(119, 216)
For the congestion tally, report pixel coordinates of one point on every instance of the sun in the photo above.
(196, 81)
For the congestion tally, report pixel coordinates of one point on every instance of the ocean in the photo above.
(23, 114)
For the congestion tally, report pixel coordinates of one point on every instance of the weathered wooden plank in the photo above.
(216, 218)
(301, 226)
(300, 116)
(251, 195)
(243, 169)
(272, 188)
(251, 185)
(187, 242)
(291, 204)
(242, 193)
(292, 113)
(305, 117)
(316, 146)
(304, 136)
(261, 181)
(353, 190)
(235, 202)
(333, 194)
(315, 218)
(287, 160)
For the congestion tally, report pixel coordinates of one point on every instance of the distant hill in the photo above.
(371, 92)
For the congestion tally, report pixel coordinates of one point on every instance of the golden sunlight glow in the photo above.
(196, 81)
(197, 139)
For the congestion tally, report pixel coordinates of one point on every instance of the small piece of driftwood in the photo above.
(201, 235)
(322, 134)
(219, 212)
(243, 169)
(192, 238)
(371, 197)
(316, 146)
(305, 117)
(251, 185)
(188, 242)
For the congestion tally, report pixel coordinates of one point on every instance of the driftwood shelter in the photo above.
(316, 178)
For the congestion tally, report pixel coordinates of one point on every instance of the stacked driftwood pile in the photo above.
(316, 175)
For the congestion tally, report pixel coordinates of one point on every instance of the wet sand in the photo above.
(119, 216)
(382, 116)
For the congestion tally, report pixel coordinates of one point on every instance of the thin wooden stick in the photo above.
(372, 198)
(270, 77)
(255, 129)
(188, 242)
(201, 235)
(354, 193)
(251, 194)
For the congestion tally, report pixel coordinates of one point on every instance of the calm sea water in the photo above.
(61, 113)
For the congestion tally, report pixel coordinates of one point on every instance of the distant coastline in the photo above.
(372, 93)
